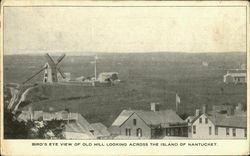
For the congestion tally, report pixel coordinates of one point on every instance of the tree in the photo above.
(55, 127)
(13, 129)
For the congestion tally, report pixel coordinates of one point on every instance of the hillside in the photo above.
(145, 78)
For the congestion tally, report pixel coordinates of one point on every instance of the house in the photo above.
(201, 127)
(67, 77)
(108, 77)
(148, 124)
(76, 126)
(217, 125)
(235, 76)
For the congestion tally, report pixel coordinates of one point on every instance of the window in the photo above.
(168, 132)
(172, 132)
(206, 120)
(139, 132)
(176, 132)
(234, 131)
(245, 132)
(227, 131)
(216, 131)
(194, 129)
(200, 120)
(134, 122)
(210, 130)
(128, 132)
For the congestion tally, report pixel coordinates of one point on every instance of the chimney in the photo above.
(204, 109)
(239, 107)
(230, 111)
(155, 106)
(197, 112)
(217, 109)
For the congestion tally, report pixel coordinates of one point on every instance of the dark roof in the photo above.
(230, 121)
(149, 117)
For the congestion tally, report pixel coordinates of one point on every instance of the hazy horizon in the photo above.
(104, 53)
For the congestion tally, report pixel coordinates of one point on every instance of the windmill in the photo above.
(50, 70)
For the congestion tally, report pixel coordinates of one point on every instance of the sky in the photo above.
(30, 30)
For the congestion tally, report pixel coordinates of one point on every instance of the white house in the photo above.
(108, 77)
(217, 125)
(201, 127)
(237, 76)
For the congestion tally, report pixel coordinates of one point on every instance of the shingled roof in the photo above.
(239, 121)
(100, 129)
(149, 117)
(230, 121)
(75, 127)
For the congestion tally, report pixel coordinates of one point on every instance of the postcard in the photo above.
(124, 77)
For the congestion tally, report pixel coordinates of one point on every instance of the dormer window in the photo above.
(200, 120)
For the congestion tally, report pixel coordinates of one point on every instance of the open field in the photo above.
(152, 77)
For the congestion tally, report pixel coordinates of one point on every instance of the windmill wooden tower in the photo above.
(50, 70)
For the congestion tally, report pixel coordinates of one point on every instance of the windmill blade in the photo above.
(50, 60)
(60, 59)
(61, 72)
(34, 75)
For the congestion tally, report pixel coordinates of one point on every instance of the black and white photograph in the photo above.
(124, 72)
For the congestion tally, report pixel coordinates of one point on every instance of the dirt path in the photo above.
(23, 97)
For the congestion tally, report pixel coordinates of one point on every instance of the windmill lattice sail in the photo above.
(50, 70)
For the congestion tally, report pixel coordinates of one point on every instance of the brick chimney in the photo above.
(204, 109)
(197, 112)
(154, 106)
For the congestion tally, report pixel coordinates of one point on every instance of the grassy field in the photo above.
(151, 77)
